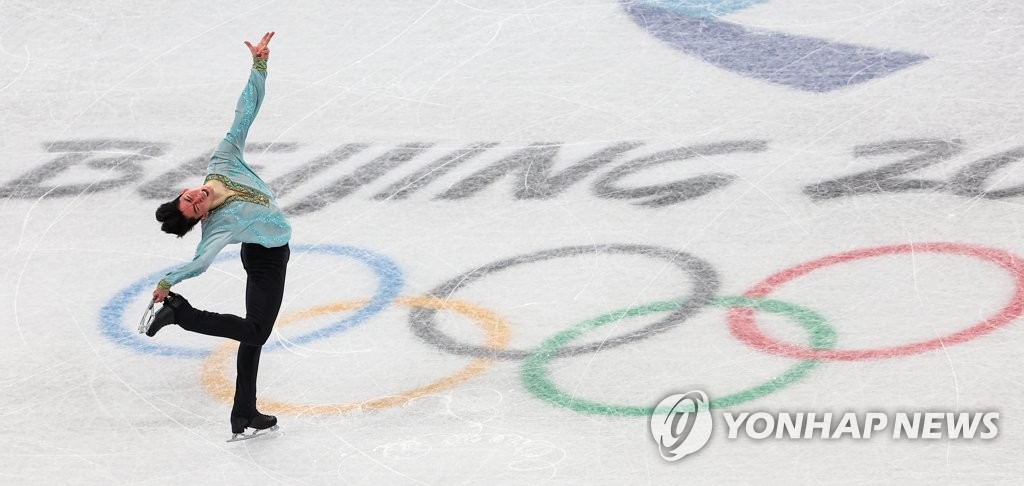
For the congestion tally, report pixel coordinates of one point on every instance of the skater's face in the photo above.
(195, 202)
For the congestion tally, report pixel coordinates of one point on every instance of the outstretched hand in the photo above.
(261, 50)
(159, 294)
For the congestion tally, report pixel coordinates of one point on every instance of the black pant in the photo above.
(265, 269)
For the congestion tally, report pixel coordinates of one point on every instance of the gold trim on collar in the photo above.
(244, 193)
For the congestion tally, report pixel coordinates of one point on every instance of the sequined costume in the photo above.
(252, 215)
(252, 218)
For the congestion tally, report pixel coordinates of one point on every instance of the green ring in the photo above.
(535, 377)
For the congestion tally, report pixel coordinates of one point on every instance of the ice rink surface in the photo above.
(467, 181)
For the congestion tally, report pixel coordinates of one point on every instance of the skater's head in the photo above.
(194, 203)
(173, 220)
(181, 214)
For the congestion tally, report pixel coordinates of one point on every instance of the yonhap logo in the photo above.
(681, 424)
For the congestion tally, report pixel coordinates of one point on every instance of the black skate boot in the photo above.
(259, 422)
(165, 316)
(263, 421)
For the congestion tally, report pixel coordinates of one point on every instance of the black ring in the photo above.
(705, 279)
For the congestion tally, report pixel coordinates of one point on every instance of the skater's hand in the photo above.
(261, 50)
(159, 294)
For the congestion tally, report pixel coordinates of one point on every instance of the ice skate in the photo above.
(261, 424)
(147, 318)
(165, 316)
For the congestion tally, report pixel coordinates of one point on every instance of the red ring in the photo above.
(743, 327)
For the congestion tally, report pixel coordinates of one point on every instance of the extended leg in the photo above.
(265, 269)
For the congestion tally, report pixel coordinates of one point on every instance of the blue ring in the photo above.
(389, 274)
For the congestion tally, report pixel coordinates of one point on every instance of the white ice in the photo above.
(92, 81)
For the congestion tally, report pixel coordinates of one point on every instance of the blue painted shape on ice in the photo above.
(804, 63)
(112, 315)
(705, 8)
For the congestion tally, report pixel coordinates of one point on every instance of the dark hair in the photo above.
(174, 222)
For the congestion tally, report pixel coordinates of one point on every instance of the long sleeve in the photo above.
(228, 154)
(212, 243)
(251, 214)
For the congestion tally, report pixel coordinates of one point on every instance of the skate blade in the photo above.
(255, 433)
(147, 318)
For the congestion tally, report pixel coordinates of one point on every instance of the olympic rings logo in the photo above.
(822, 338)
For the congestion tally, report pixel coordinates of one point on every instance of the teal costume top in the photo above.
(251, 216)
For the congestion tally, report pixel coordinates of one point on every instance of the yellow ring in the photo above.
(496, 330)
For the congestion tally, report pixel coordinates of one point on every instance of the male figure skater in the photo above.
(234, 206)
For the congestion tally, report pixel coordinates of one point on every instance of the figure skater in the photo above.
(235, 206)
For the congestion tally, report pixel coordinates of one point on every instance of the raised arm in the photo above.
(249, 102)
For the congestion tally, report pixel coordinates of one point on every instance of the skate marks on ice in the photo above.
(704, 284)
(474, 410)
(803, 63)
(537, 377)
(388, 273)
(529, 172)
(972, 180)
(170, 182)
(115, 164)
(118, 160)
(517, 453)
(496, 334)
(704, 280)
(256, 433)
